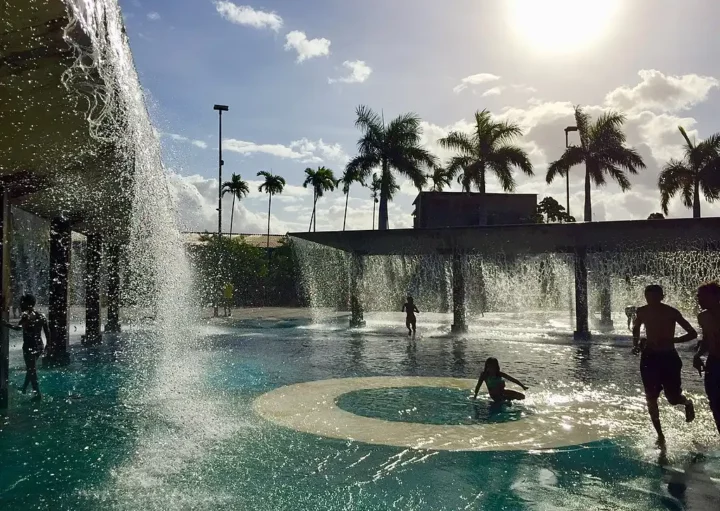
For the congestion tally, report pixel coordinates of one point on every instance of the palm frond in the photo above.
(511, 156)
(458, 141)
(674, 177)
(572, 156)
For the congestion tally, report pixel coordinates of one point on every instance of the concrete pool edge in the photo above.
(310, 407)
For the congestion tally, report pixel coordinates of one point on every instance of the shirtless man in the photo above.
(660, 364)
(709, 321)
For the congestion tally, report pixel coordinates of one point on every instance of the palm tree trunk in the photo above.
(268, 235)
(482, 181)
(588, 201)
(696, 199)
(232, 214)
(312, 215)
(373, 215)
(347, 198)
(315, 215)
(384, 189)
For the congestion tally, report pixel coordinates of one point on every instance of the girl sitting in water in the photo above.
(495, 381)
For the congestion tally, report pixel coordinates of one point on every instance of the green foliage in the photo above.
(699, 170)
(440, 178)
(392, 147)
(321, 180)
(550, 211)
(257, 282)
(487, 148)
(239, 190)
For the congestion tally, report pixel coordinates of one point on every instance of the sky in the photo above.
(293, 72)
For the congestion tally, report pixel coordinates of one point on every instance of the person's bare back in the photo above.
(709, 321)
(659, 320)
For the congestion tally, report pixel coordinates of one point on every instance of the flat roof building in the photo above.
(435, 210)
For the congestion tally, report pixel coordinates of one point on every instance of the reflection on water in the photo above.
(176, 425)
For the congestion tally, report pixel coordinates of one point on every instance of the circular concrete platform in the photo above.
(555, 421)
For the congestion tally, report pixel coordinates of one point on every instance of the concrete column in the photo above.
(4, 298)
(93, 259)
(458, 278)
(113, 288)
(582, 329)
(60, 240)
(356, 274)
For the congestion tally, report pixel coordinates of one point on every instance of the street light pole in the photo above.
(220, 109)
(567, 174)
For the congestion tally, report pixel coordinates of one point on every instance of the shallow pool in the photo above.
(140, 424)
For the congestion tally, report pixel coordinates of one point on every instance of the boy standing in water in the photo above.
(33, 324)
(709, 320)
(410, 321)
(660, 364)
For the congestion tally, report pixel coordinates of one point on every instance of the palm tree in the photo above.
(273, 185)
(375, 193)
(350, 176)
(322, 180)
(440, 179)
(602, 149)
(699, 169)
(392, 147)
(239, 190)
(487, 148)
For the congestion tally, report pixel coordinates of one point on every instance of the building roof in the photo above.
(476, 194)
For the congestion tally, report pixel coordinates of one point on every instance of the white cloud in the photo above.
(306, 48)
(246, 15)
(359, 72)
(662, 93)
(495, 91)
(153, 16)
(181, 138)
(474, 80)
(307, 151)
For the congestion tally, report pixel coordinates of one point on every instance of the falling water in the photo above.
(506, 283)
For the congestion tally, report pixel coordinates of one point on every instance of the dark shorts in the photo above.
(661, 372)
(31, 356)
(410, 321)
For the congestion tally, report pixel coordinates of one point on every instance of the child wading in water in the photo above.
(33, 324)
(495, 381)
(410, 321)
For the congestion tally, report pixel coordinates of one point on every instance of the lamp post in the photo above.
(567, 174)
(220, 109)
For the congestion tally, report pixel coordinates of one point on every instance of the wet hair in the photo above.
(712, 289)
(655, 289)
(492, 361)
(27, 301)
(409, 299)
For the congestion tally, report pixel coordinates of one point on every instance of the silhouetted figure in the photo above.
(33, 324)
(410, 321)
(709, 321)
(660, 364)
(631, 313)
(495, 381)
(228, 293)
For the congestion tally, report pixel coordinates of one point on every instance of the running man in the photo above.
(33, 324)
(660, 364)
(709, 321)
(410, 321)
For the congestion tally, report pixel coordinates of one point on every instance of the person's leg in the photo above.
(649, 375)
(712, 388)
(672, 384)
(28, 357)
(414, 326)
(31, 365)
(408, 326)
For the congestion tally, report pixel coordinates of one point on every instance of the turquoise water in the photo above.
(139, 426)
(428, 405)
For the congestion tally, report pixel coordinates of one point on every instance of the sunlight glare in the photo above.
(562, 26)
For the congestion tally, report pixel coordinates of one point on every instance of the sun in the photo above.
(562, 26)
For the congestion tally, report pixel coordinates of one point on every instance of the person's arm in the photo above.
(479, 384)
(690, 334)
(403, 309)
(636, 332)
(416, 309)
(11, 326)
(513, 380)
(701, 348)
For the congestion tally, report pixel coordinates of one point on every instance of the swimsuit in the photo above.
(660, 370)
(494, 383)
